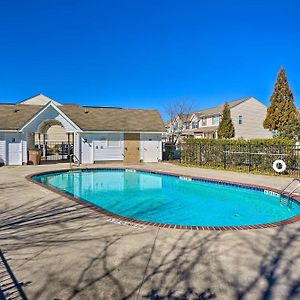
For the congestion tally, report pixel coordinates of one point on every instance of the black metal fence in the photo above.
(55, 151)
(245, 157)
(10, 287)
(171, 152)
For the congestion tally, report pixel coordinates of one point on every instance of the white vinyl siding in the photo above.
(114, 141)
(2, 149)
(24, 148)
(56, 133)
(39, 100)
(49, 114)
(240, 120)
(108, 147)
(102, 147)
(88, 147)
(208, 121)
(253, 114)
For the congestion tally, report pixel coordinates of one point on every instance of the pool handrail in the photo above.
(74, 161)
(288, 201)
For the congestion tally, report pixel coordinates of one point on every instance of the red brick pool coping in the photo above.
(186, 227)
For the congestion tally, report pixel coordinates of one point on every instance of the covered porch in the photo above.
(54, 142)
(209, 132)
(53, 134)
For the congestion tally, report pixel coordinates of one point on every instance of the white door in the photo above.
(151, 149)
(14, 150)
(86, 150)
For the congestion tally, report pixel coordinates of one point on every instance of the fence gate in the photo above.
(56, 151)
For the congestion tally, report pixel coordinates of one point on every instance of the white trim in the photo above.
(9, 130)
(122, 131)
(57, 109)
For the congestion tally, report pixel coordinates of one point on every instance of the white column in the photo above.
(77, 145)
(44, 145)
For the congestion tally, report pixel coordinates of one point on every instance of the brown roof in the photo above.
(206, 129)
(184, 117)
(13, 117)
(218, 109)
(87, 118)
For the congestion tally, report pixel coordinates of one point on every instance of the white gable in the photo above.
(39, 99)
(194, 118)
(50, 113)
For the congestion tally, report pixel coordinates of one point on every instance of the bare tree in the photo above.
(179, 113)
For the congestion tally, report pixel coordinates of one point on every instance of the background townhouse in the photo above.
(247, 115)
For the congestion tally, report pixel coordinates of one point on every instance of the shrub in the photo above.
(242, 155)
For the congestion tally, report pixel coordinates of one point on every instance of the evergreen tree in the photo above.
(226, 128)
(291, 130)
(282, 108)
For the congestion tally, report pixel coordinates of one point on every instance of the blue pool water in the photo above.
(169, 199)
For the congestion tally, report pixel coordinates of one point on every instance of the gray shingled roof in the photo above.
(87, 118)
(13, 117)
(206, 129)
(219, 109)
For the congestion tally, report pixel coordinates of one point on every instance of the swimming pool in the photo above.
(174, 200)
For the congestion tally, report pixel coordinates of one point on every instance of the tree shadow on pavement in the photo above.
(72, 252)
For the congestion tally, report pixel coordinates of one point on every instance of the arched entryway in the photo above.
(51, 138)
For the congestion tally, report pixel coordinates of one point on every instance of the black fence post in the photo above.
(249, 158)
(200, 155)
(180, 152)
(224, 151)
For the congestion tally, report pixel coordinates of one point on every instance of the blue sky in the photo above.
(147, 53)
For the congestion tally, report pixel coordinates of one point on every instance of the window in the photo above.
(240, 120)
(216, 120)
(102, 142)
(195, 124)
(204, 121)
(114, 142)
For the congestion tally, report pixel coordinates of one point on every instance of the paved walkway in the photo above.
(62, 250)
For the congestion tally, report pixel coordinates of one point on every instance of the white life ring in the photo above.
(279, 169)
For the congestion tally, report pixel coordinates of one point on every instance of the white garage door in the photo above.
(14, 150)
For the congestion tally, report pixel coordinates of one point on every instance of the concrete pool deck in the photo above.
(63, 250)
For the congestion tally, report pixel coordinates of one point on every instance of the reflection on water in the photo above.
(166, 199)
(104, 181)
